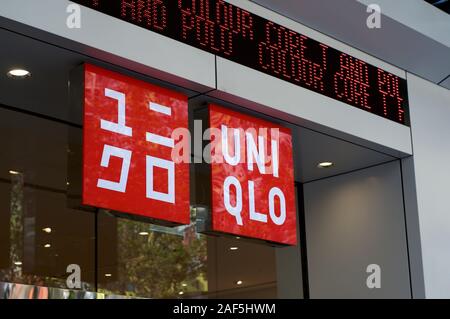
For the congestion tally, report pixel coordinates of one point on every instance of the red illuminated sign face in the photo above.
(128, 159)
(252, 177)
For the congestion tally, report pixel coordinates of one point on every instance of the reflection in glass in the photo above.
(14, 267)
(41, 232)
(33, 200)
(150, 261)
(44, 228)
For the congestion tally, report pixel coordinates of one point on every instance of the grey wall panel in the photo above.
(289, 267)
(413, 228)
(430, 124)
(354, 220)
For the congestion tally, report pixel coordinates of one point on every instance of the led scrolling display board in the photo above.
(245, 38)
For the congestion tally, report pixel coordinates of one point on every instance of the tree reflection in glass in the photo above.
(154, 261)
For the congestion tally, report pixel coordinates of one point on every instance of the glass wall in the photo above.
(44, 231)
(41, 235)
(140, 259)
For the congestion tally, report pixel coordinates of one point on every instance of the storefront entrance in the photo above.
(349, 203)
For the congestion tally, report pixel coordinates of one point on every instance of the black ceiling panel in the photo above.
(444, 5)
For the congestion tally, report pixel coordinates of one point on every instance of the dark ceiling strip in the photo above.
(445, 79)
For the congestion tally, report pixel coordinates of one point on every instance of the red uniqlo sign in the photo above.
(128, 160)
(252, 177)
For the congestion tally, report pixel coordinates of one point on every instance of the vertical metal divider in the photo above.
(303, 245)
(96, 249)
(405, 218)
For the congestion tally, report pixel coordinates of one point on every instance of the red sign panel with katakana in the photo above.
(129, 163)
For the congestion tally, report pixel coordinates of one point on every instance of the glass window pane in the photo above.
(40, 234)
(145, 260)
(44, 228)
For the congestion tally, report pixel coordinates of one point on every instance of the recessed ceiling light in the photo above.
(181, 293)
(12, 172)
(325, 164)
(234, 248)
(47, 245)
(108, 275)
(238, 237)
(239, 282)
(19, 73)
(18, 263)
(143, 233)
(184, 285)
(47, 230)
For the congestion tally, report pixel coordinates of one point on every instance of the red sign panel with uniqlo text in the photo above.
(252, 177)
(128, 160)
